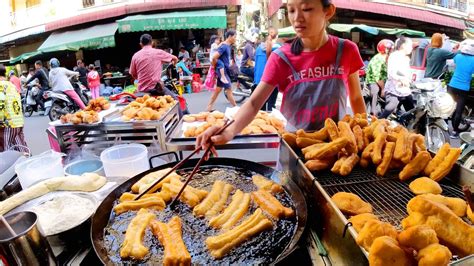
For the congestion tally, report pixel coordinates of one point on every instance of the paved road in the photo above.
(36, 137)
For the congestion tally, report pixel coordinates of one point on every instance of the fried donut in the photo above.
(290, 138)
(327, 150)
(171, 237)
(379, 143)
(219, 190)
(387, 158)
(415, 166)
(321, 134)
(346, 131)
(445, 167)
(303, 142)
(332, 130)
(267, 184)
(132, 245)
(359, 136)
(271, 205)
(233, 213)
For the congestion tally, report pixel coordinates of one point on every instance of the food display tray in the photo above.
(97, 137)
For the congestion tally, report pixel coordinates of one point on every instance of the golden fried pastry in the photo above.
(210, 119)
(213, 203)
(190, 132)
(130, 196)
(408, 155)
(313, 147)
(258, 121)
(144, 182)
(171, 237)
(415, 166)
(401, 146)
(386, 159)
(201, 116)
(290, 138)
(457, 205)
(268, 129)
(155, 203)
(233, 213)
(328, 150)
(344, 165)
(367, 136)
(332, 130)
(366, 156)
(385, 251)
(379, 129)
(392, 137)
(449, 228)
(132, 246)
(271, 205)
(379, 143)
(302, 142)
(372, 230)
(321, 134)
(470, 213)
(267, 184)
(350, 203)
(277, 123)
(425, 185)
(419, 144)
(358, 221)
(359, 135)
(438, 159)
(318, 165)
(346, 131)
(222, 244)
(254, 129)
(396, 164)
(434, 255)
(418, 237)
(247, 131)
(217, 115)
(445, 167)
(191, 196)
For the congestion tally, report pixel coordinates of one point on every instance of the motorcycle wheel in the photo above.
(464, 125)
(27, 110)
(55, 112)
(438, 137)
(238, 99)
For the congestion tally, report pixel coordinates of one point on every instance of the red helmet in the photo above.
(385, 46)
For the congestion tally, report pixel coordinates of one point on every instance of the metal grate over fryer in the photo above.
(388, 195)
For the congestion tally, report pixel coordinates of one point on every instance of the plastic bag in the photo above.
(210, 82)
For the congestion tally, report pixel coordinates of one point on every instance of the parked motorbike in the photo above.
(244, 88)
(468, 114)
(62, 104)
(29, 103)
(433, 107)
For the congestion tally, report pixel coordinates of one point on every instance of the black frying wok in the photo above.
(102, 216)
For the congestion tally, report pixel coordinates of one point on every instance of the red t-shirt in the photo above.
(147, 66)
(312, 64)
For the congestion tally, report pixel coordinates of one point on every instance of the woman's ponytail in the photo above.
(296, 46)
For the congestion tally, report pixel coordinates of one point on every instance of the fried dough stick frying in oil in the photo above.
(222, 244)
(132, 246)
(214, 201)
(171, 238)
(233, 213)
(271, 205)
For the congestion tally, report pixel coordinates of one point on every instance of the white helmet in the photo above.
(467, 47)
(443, 105)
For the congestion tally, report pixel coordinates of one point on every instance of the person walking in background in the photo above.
(460, 83)
(223, 54)
(397, 88)
(42, 75)
(376, 73)
(147, 64)
(23, 78)
(436, 57)
(11, 115)
(15, 80)
(82, 73)
(210, 81)
(59, 77)
(183, 53)
(262, 53)
(93, 79)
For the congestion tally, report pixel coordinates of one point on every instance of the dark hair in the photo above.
(39, 63)
(180, 58)
(145, 39)
(400, 42)
(3, 70)
(91, 67)
(182, 48)
(296, 43)
(213, 39)
(229, 33)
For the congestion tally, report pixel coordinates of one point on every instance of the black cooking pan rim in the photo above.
(101, 217)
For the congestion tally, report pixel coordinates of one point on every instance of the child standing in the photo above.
(93, 79)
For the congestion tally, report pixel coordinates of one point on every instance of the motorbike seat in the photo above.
(242, 77)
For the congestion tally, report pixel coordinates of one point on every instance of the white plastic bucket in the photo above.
(125, 160)
(40, 167)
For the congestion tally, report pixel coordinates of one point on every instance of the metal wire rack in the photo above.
(388, 195)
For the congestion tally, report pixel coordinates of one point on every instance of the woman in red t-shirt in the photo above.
(315, 72)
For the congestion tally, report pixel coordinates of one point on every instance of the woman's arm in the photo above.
(244, 116)
(355, 95)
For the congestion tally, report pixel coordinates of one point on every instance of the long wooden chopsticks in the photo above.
(178, 165)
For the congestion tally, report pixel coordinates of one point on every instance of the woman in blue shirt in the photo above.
(460, 83)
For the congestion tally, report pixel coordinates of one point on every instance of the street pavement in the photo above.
(37, 139)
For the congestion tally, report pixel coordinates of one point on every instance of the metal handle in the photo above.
(163, 154)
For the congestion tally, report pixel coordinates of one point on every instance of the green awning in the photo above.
(199, 19)
(354, 27)
(23, 57)
(406, 32)
(96, 37)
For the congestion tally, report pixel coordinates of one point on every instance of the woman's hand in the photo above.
(207, 137)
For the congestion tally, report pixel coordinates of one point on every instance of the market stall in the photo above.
(345, 193)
